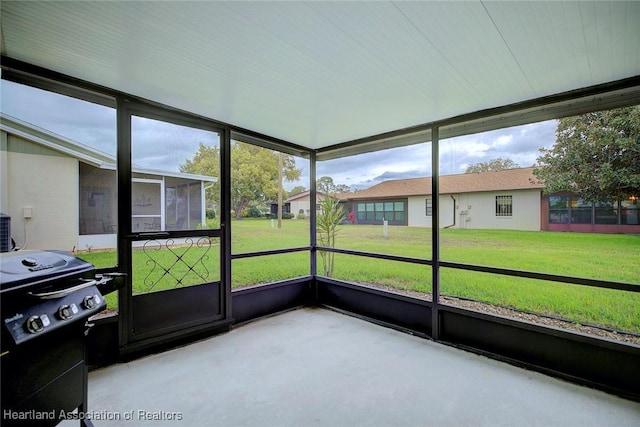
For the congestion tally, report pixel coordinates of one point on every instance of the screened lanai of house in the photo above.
(323, 82)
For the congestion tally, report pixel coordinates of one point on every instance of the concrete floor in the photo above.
(315, 367)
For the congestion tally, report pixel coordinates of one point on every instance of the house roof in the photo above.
(322, 73)
(297, 196)
(305, 194)
(75, 149)
(510, 179)
(53, 141)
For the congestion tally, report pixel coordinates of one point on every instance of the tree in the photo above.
(206, 162)
(328, 220)
(297, 190)
(255, 175)
(498, 164)
(596, 155)
(325, 185)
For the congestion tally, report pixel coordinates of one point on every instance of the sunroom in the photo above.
(260, 98)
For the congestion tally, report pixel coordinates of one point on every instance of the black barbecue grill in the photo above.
(46, 299)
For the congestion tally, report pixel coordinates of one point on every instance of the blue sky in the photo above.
(94, 125)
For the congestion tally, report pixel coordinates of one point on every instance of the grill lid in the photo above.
(28, 269)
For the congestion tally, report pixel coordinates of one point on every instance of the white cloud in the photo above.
(502, 140)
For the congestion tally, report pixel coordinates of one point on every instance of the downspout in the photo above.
(454, 212)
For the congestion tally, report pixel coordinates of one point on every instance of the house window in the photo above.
(429, 205)
(362, 214)
(504, 205)
(581, 211)
(574, 210)
(376, 212)
(606, 213)
(371, 212)
(558, 209)
(630, 211)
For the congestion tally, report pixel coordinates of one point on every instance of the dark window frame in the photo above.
(504, 206)
(562, 213)
(368, 212)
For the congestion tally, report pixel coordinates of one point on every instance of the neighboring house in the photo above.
(61, 194)
(510, 199)
(300, 203)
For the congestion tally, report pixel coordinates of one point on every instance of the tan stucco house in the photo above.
(508, 199)
(511, 199)
(61, 194)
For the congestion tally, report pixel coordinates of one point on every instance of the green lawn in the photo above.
(599, 256)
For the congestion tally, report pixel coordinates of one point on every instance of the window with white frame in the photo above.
(504, 205)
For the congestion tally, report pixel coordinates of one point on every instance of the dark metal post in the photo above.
(312, 224)
(435, 232)
(225, 218)
(123, 124)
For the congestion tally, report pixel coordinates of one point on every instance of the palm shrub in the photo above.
(328, 221)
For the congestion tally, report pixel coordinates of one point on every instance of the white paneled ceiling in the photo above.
(322, 73)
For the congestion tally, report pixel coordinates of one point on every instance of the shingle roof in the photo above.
(510, 179)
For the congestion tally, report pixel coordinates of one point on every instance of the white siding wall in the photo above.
(302, 203)
(49, 185)
(417, 211)
(478, 210)
(482, 214)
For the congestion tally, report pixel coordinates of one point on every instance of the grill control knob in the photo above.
(91, 301)
(66, 312)
(36, 324)
(29, 262)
